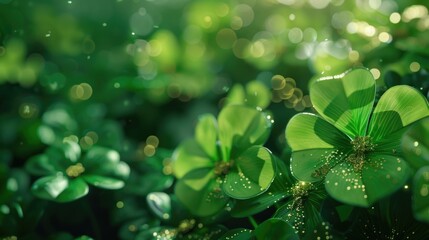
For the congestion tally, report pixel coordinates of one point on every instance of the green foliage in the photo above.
(68, 175)
(172, 114)
(354, 156)
(224, 160)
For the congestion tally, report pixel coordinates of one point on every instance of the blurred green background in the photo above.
(133, 76)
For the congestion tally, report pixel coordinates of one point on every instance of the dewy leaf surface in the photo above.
(313, 165)
(253, 175)
(205, 200)
(398, 107)
(382, 175)
(345, 100)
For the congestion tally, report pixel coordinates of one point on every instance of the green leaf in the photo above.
(76, 189)
(278, 190)
(236, 95)
(104, 163)
(254, 173)
(384, 175)
(257, 94)
(97, 156)
(421, 194)
(59, 188)
(207, 198)
(40, 165)
(308, 131)
(71, 150)
(50, 187)
(415, 144)
(313, 165)
(398, 107)
(160, 204)
(189, 156)
(103, 182)
(346, 186)
(345, 100)
(275, 229)
(381, 176)
(237, 234)
(241, 127)
(59, 116)
(206, 135)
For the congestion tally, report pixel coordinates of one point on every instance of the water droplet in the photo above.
(416, 144)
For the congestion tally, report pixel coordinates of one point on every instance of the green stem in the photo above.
(253, 222)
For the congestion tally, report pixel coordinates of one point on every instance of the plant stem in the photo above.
(253, 222)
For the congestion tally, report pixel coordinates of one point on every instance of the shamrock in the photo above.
(224, 159)
(67, 174)
(356, 153)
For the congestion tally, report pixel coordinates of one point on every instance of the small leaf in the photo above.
(59, 188)
(206, 135)
(275, 229)
(398, 107)
(189, 156)
(241, 127)
(236, 95)
(50, 187)
(345, 100)
(160, 204)
(254, 174)
(257, 94)
(278, 190)
(421, 194)
(207, 198)
(103, 182)
(97, 156)
(105, 164)
(76, 189)
(71, 150)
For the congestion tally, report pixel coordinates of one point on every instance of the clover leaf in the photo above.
(66, 174)
(355, 150)
(255, 94)
(224, 159)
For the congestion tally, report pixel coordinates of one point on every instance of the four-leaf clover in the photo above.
(224, 159)
(355, 150)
